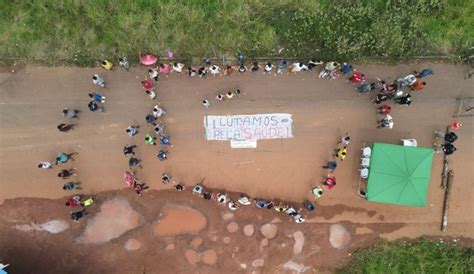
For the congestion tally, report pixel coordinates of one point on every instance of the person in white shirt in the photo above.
(268, 68)
(158, 112)
(45, 165)
(151, 93)
(153, 73)
(222, 198)
(386, 122)
(232, 205)
(97, 80)
(297, 67)
(244, 200)
(215, 70)
(206, 103)
(178, 67)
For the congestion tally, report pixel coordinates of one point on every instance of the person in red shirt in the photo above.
(418, 85)
(229, 70)
(139, 188)
(73, 201)
(330, 182)
(358, 77)
(384, 110)
(147, 84)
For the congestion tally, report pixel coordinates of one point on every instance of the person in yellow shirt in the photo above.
(107, 65)
(341, 153)
(87, 202)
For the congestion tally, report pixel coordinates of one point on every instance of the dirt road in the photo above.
(32, 99)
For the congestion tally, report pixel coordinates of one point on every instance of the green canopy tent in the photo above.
(399, 174)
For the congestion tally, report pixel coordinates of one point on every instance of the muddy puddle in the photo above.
(179, 220)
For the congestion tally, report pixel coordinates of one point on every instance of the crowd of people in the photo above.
(398, 91)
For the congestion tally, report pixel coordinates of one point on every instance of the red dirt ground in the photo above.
(31, 104)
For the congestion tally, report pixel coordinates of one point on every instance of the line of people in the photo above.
(234, 202)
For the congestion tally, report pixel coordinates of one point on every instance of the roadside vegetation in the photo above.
(80, 32)
(420, 256)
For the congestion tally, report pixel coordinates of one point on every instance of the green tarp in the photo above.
(399, 174)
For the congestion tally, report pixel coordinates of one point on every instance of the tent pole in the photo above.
(449, 181)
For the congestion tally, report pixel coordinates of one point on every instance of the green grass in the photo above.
(421, 256)
(83, 31)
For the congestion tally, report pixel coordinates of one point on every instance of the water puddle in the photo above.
(179, 220)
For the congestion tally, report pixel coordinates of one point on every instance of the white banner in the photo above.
(243, 143)
(248, 127)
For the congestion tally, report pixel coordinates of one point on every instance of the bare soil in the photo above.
(31, 102)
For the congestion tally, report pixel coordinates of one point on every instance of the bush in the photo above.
(420, 256)
(82, 32)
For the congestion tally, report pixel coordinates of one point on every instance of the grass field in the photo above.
(81, 32)
(421, 256)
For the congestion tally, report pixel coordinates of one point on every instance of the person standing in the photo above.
(229, 70)
(162, 155)
(330, 182)
(179, 186)
(386, 122)
(150, 140)
(254, 67)
(309, 206)
(97, 80)
(165, 69)
(147, 84)
(150, 119)
(132, 130)
(128, 150)
(215, 70)
(158, 111)
(317, 192)
(242, 69)
(139, 188)
(206, 103)
(178, 67)
(72, 186)
(331, 165)
(134, 162)
(65, 127)
(191, 71)
(73, 201)
(70, 113)
(418, 85)
(345, 140)
(87, 202)
(424, 73)
(202, 72)
(107, 65)
(151, 93)
(97, 97)
(341, 153)
(153, 73)
(282, 66)
(159, 129)
(123, 62)
(346, 68)
(384, 110)
(64, 157)
(165, 178)
(45, 165)
(268, 68)
(93, 106)
(220, 97)
(448, 148)
(66, 173)
(357, 78)
(78, 215)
